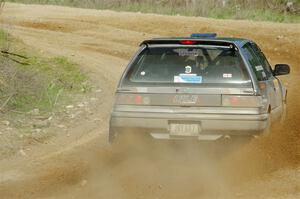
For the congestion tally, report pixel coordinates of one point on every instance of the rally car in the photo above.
(201, 87)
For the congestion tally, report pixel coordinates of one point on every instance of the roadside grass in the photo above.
(218, 13)
(47, 81)
(238, 9)
(3, 39)
(29, 81)
(34, 93)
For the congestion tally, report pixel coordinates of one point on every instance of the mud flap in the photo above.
(111, 133)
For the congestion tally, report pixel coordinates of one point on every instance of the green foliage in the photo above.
(2, 36)
(38, 83)
(3, 39)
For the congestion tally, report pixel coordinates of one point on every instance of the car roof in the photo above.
(214, 40)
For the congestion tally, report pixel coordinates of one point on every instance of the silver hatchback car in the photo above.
(200, 87)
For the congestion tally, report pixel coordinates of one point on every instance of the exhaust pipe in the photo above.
(227, 137)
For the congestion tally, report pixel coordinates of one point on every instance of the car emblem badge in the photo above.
(188, 69)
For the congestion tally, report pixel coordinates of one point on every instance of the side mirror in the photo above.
(281, 69)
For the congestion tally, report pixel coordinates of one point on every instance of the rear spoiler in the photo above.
(188, 41)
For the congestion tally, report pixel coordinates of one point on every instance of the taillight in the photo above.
(188, 42)
(242, 101)
(132, 99)
(138, 99)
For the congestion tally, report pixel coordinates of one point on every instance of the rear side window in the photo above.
(188, 65)
(263, 60)
(259, 67)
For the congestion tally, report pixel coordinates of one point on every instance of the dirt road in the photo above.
(83, 167)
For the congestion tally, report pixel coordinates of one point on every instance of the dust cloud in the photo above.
(266, 167)
(157, 170)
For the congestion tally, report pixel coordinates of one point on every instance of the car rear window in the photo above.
(188, 65)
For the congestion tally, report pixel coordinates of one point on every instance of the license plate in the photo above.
(186, 99)
(179, 129)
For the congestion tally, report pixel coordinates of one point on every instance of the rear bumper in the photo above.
(157, 124)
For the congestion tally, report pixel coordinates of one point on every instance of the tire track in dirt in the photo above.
(102, 42)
